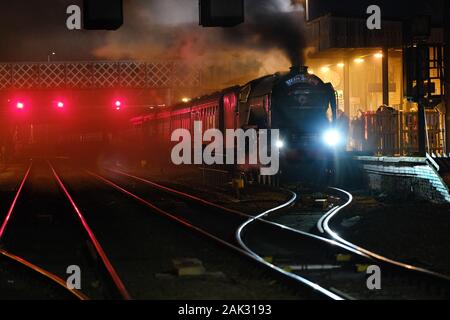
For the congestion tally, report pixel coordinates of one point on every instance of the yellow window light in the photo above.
(378, 55)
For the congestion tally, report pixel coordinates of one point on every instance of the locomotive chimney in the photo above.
(299, 69)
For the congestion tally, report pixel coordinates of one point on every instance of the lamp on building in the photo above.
(49, 56)
(378, 55)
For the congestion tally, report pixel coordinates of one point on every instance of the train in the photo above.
(299, 104)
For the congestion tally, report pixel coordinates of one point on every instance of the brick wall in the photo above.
(405, 178)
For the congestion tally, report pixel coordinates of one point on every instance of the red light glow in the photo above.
(118, 105)
(20, 105)
(60, 104)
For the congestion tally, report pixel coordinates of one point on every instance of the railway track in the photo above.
(329, 268)
(324, 227)
(324, 268)
(212, 222)
(44, 225)
(18, 273)
(145, 246)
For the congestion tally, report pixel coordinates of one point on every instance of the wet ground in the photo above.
(415, 232)
(143, 247)
(412, 232)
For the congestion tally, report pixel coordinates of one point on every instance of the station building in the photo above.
(369, 68)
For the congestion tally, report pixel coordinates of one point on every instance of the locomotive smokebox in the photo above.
(299, 69)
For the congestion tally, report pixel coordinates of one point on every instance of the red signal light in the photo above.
(59, 103)
(118, 104)
(20, 104)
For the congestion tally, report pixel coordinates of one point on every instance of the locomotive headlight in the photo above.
(332, 137)
(279, 144)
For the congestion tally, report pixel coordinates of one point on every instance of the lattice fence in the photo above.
(99, 74)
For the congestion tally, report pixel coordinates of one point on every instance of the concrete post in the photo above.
(347, 88)
(447, 71)
(385, 66)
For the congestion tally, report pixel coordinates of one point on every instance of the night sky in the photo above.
(391, 9)
(153, 30)
(31, 29)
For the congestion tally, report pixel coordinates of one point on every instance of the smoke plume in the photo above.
(270, 40)
(272, 24)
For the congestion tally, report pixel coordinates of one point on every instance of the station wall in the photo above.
(405, 178)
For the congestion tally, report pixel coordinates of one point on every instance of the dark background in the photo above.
(390, 9)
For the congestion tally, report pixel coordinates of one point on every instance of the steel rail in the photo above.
(50, 276)
(241, 242)
(335, 239)
(236, 212)
(30, 266)
(13, 204)
(325, 226)
(108, 265)
(243, 249)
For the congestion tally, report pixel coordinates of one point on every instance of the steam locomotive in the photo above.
(297, 103)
